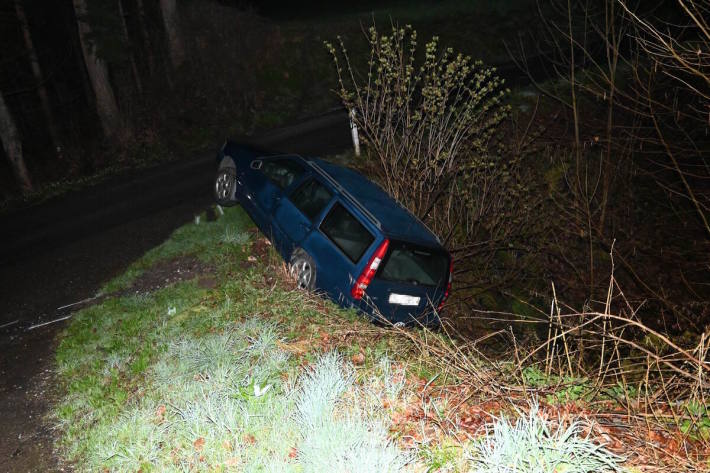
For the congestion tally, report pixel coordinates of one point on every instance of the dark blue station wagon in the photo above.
(341, 233)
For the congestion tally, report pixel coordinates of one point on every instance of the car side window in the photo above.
(282, 171)
(346, 232)
(311, 198)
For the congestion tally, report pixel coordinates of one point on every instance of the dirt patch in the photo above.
(159, 276)
(27, 391)
(259, 252)
(207, 282)
(172, 271)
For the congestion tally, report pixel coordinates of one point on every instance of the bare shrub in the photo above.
(427, 125)
(631, 165)
(674, 83)
(636, 384)
(432, 124)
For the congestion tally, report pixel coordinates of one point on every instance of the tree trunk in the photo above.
(13, 147)
(98, 74)
(171, 22)
(39, 78)
(131, 56)
(146, 37)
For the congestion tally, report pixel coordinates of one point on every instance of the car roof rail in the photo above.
(323, 173)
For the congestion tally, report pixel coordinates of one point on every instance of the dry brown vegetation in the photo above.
(605, 167)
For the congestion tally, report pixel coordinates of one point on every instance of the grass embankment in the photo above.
(203, 357)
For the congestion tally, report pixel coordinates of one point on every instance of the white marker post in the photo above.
(353, 131)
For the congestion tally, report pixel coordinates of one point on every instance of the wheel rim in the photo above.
(302, 272)
(224, 185)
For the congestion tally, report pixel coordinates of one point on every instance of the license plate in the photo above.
(402, 299)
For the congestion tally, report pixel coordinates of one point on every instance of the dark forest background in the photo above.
(604, 152)
(162, 79)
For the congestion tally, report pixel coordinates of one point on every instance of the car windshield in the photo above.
(414, 264)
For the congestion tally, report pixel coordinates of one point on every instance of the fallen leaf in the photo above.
(657, 437)
(293, 453)
(297, 347)
(232, 461)
(199, 443)
(160, 414)
(249, 439)
(358, 359)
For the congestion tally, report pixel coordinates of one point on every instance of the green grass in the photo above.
(225, 241)
(193, 378)
(246, 375)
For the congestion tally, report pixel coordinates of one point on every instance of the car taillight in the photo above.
(448, 286)
(358, 290)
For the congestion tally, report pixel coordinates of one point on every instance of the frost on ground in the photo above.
(181, 378)
(224, 401)
(209, 407)
(532, 445)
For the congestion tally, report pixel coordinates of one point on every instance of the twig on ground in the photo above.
(49, 322)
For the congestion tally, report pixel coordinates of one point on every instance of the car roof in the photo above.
(395, 220)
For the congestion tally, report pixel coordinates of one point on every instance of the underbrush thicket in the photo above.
(549, 207)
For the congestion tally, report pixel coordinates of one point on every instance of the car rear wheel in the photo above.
(225, 183)
(303, 270)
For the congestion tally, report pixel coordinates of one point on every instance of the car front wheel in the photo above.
(303, 270)
(225, 186)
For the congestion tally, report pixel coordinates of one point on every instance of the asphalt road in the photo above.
(63, 250)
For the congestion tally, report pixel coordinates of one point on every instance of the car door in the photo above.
(338, 244)
(295, 215)
(268, 180)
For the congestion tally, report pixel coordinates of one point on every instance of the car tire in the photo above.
(225, 183)
(302, 269)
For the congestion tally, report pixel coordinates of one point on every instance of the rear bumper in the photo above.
(427, 317)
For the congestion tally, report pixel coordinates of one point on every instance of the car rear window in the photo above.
(311, 198)
(414, 264)
(346, 232)
(282, 171)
